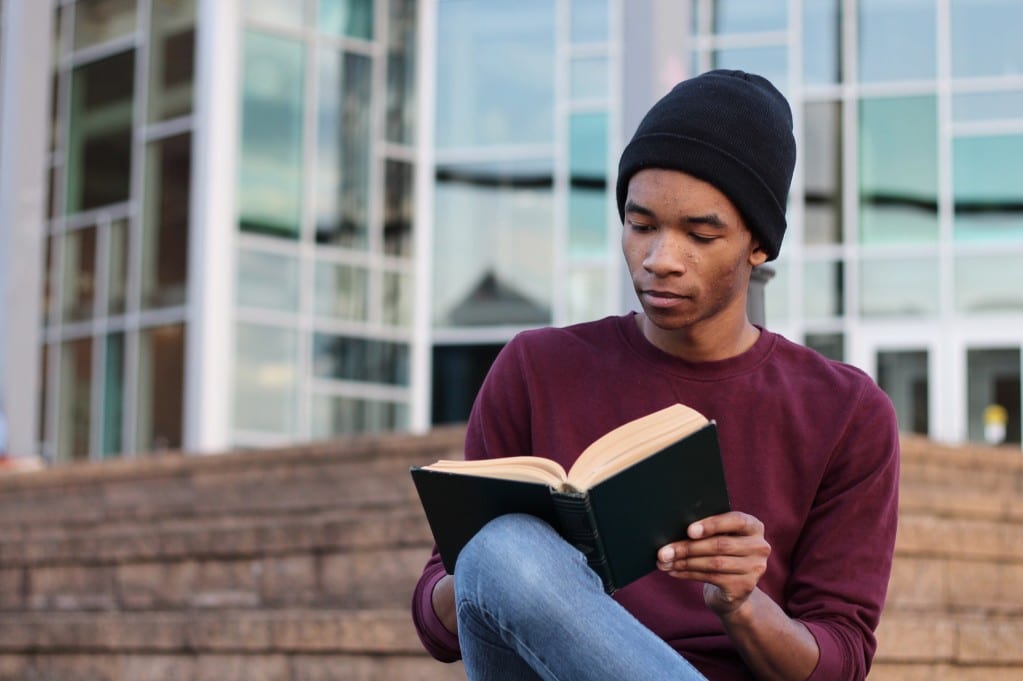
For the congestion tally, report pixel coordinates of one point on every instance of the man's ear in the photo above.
(757, 255)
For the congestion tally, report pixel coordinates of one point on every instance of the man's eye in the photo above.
(701, 239)
(640, 227)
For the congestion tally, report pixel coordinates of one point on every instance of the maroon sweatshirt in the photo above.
(810, 447)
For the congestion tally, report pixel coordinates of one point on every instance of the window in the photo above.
(903, 375)
(993, 380)
(897, 40)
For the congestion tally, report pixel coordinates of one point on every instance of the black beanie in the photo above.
(731, 129)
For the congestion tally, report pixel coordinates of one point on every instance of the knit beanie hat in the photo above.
(731, 129)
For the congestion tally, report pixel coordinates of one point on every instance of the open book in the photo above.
(633, 490)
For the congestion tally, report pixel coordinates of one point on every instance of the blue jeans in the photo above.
(529, 607)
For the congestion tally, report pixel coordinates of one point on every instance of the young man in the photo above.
(791, 583)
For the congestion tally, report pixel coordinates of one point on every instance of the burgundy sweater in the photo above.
(810, 447)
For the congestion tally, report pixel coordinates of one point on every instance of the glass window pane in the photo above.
(344, 149)
(480, 100)
(99, 143)
(502, 214)
(79, 274)
(50, 311)
(266, 380)
(97, 21)
(823, 289)
(587, 202)
(334, 415)
(898, 170)
(351, 18)
(822, 41)
(268, 281)
(360, 359)
(987, 176)
(899, 287)
(993, 395)
(397, 299)
(987, 106)
(748, 16)
(588, 77)
(342, 292)
(589, 21)
(989, 283)
(831, 345)
(161, 393)
(280, 12)
(398, 207)
(903, 375)
(770, 62)
(171, 59)
(822, 159)
(458, 373)
(777, 306)
(985, 38)
(401, 71)
(897, 40)
(117, 274)
(270, 191)
(113, 395)
(165, 242)
(75, 390)
(587, 294)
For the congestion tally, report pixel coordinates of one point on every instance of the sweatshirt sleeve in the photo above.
(842, 566)
(498, 426)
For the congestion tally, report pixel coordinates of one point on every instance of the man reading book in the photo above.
(791, 582)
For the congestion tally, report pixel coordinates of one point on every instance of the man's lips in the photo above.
(658, 298)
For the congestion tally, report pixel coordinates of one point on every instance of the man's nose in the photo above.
(665, 256)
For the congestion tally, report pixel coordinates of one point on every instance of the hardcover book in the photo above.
(633, 490)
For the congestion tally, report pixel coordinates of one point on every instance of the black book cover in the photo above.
(619, 523)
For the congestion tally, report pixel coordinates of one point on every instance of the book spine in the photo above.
(579, 528)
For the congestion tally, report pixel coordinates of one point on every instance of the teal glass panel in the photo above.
(897, 40)
(342, 292)
(903, 375)
(587, 294)
(987, 178)
(770, 62)
(589, 21)
(113, 396)
(347, 18)
(337, 415)
(401, 71)
(501, 213)
(399, 196)
(495, 73)
(749, 16)
(117, 268)
(987, 106)
(268, 281)
(99, 21)
(397, 300)
(993, 380)
(344, 148)
(831, 345)
(821, 151)
(161, 388)
(777, 302)
(284, 13)
(74, 418)
(165, 232)
(898, 146)
(587, 201)
(366, 360)
(171, 59)
(822, 41)
(100, 136)
(986, 38)
(266, 379)
(823, 289)
(899, 287)
(990, 282)
(270, 168)
(588, 77)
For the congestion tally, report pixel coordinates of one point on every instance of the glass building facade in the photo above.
(270, 221)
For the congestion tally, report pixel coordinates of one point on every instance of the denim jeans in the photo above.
(529, 607)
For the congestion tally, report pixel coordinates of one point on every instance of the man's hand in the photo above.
(727, 552)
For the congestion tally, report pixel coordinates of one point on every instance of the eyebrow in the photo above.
(708, 219)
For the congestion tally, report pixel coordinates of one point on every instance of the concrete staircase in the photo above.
(299, 564)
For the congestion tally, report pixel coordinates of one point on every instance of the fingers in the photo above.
(728, 544)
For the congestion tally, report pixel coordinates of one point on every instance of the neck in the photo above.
(702, 343)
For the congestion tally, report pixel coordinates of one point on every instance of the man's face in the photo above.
(687, 248)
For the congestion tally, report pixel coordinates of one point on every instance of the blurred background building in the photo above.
(242, 223)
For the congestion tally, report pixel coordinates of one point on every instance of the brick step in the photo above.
(356, 474)
(962, 640)
(955, 585)
(959, 536)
